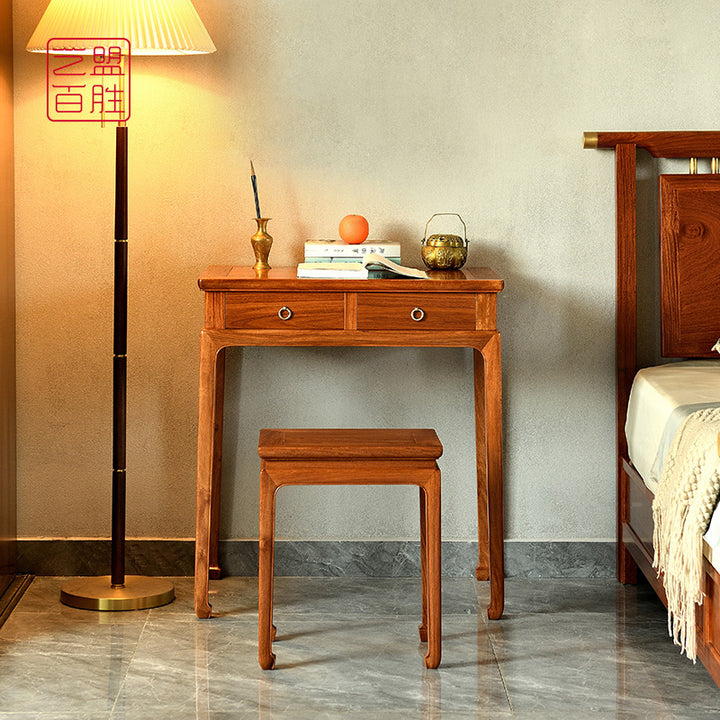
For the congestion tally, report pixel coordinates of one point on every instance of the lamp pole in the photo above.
(120, 303)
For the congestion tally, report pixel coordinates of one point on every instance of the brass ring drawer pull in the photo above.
(285, 313)
(417, 314)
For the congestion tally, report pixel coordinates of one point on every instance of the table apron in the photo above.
(476, 340)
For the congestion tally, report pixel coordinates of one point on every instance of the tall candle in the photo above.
(254, 185)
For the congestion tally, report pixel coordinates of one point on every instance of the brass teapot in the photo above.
(444, 252)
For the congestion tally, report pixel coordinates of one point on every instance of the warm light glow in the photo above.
(153, 27)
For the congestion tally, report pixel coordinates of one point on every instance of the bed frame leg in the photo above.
(627, 569)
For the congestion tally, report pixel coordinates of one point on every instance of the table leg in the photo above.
(206, 435)
(493, 440)
(215, 570)
(482, 571)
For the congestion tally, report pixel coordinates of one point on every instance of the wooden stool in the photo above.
(352, 457)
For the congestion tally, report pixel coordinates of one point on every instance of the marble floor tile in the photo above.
(348, 648)
(600, 645)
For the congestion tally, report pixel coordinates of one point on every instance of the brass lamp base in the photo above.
(97, 593)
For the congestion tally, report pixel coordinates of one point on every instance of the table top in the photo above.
(230, 278)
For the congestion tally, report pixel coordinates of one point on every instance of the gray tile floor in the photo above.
(348, 648)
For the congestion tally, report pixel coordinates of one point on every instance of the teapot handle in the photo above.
(456, 215)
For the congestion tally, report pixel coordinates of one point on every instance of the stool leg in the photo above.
(266, 571)
(423, 566)
(434, 594)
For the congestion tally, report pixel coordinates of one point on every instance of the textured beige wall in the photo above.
(395, 110)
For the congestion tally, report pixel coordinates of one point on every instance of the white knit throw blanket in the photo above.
(684, 502)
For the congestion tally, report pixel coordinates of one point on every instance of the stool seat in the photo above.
(358, 456)
(396, 444)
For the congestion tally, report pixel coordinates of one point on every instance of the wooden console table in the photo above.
(275, 308)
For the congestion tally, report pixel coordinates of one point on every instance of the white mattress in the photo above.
(660, 399)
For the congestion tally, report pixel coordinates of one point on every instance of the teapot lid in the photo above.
(445, 240)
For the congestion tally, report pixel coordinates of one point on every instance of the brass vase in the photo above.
(261, 243)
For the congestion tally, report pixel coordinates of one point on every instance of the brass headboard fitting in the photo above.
(590, 140)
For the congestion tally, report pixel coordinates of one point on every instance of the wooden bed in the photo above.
(689, 302)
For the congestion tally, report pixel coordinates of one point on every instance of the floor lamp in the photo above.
(152, 27)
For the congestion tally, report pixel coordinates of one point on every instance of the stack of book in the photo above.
(337, 251)
(371, 265)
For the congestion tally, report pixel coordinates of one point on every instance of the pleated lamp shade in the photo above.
(153, 27)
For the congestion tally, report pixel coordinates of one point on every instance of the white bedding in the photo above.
(660, 398)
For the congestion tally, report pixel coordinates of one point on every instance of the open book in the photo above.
(372, 265)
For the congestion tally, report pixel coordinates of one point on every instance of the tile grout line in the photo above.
(127, 672)
(502, 675)
(486, 620)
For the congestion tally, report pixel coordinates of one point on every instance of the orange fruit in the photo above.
(353, 229)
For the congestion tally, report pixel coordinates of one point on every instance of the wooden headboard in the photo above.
(690, 264)
(689, 250)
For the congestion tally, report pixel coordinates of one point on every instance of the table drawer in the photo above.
(284, 311)
(416, 311)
